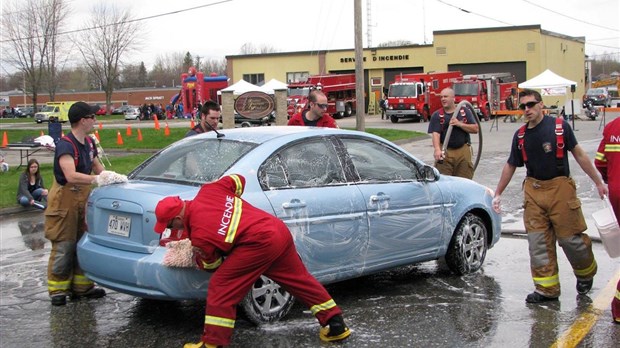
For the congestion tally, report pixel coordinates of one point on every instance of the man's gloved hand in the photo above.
(202, 262)
(108, 177)
(497, 204)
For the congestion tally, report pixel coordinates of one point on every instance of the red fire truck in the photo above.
(338, 88)
(416, 96)
(486, 92)
(197, 88)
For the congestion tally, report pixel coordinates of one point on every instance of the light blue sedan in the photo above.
(355, 203)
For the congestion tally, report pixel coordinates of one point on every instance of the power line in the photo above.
(573, 18)
(123, 22)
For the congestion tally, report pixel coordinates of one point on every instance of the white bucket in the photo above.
(608, 229)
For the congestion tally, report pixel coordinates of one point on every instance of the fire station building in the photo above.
(525, 51)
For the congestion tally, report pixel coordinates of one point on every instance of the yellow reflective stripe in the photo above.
(213, 265)
(600, 156)
(238, 186)
(586, 272)
(612, 147)
(234, 221)
(547, 282)
(81, 280)
(323, 306)
(62, 285)
(219, 321)
(618, 294)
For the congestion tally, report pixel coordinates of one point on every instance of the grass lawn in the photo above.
(151, 139)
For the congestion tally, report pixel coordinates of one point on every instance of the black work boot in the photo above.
(336, 330)
(538, 298)
(59, 300)
(584, 286)
(93, 292)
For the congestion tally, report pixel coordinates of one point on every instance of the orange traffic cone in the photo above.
(100, 126)
(156, 123)
(5, 140)
(119, 138)
(128, 131)
(42, 134)
(97, 135)
(166, 130)
(139, 135)
(191, 123)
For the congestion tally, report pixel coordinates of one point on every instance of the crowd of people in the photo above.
(259, 243)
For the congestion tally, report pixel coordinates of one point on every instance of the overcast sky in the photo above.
(220, 27)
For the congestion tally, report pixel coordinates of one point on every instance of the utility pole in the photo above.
(360, 112)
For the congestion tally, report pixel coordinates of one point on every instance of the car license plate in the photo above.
(119, 225)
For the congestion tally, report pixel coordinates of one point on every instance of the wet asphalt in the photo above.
(414, 306)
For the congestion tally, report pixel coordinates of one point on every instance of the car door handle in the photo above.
(379, 198)
(294, 204)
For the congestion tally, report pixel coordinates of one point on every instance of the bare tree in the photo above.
(250, 48)
(168, 68)
(32, 30)
(104, 45)
(55, 14)
(395, 43)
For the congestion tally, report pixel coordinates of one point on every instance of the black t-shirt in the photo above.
(540, 147)
(458, 137)
(86, 153)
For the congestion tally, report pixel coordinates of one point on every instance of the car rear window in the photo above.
(192, 161)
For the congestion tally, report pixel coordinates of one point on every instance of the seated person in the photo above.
(31, 191)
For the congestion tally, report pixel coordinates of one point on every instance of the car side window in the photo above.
(305, 164)
(378, 163)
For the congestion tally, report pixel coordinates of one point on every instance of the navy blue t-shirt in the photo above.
(540, 147)
(458, 137)
(86, 153)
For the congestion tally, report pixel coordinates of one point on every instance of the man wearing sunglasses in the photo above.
(74, 159)
(315, 114)
(552, 208)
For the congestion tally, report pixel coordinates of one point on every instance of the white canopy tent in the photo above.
(552, 84)
(241, 87)
(272, 85)
(547, 79)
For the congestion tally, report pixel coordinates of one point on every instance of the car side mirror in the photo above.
(429, 173)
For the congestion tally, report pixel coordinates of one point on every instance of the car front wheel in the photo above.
(468, 246)
(266, 302)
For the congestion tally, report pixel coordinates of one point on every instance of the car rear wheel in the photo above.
(468, 246)
(266, 302)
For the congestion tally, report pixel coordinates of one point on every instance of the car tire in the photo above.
(266, 302)
(393, 119)
(468, 246)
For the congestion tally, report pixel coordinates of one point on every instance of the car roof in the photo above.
(262, 135)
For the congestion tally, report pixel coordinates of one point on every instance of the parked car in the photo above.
(241, 121)
(133, 114)
(121, 110)
(26, 111)
(599, 96)
(101, 111)
(355, 203)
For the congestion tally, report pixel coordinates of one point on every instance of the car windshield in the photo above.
(470, 89)
(48, 108)
(192, 161)
(596, 91)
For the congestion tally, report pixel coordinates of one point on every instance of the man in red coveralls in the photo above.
(607, 161)
(314, 115)
(219, 223)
